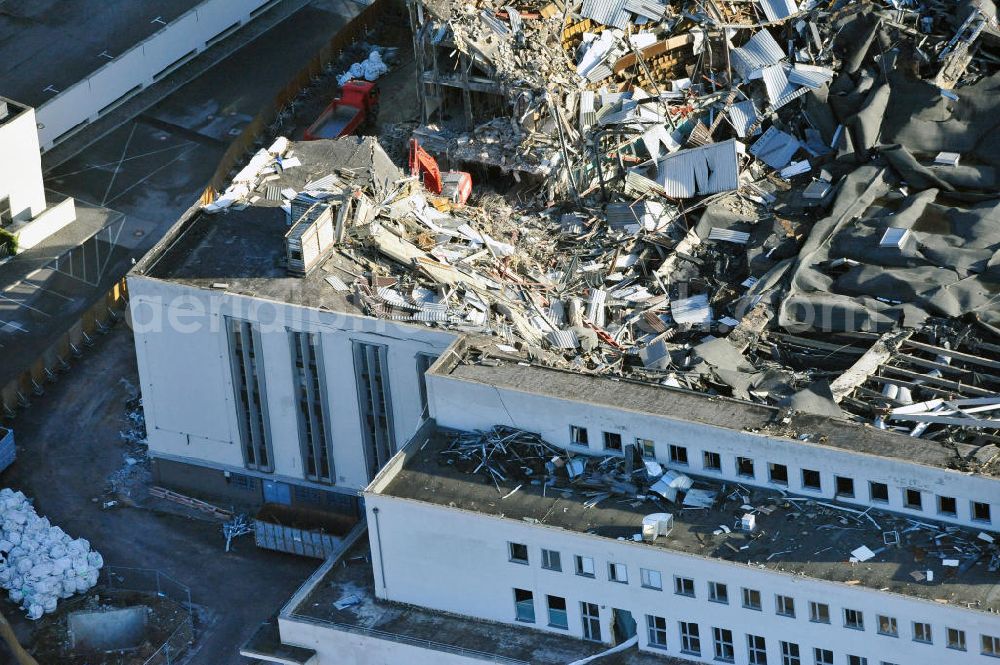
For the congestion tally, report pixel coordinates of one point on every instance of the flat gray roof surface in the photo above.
(59, 42)
(804, 537)
(706, 409)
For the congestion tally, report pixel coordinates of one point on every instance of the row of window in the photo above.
(750, 598)
(777, 474)
(723, 646)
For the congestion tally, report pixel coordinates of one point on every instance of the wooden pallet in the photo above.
(190, 502)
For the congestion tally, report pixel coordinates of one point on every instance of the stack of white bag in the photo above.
(40, 563)
(369, 70)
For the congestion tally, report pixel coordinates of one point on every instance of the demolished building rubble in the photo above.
(788, 203)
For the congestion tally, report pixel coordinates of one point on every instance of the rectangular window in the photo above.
(678, 454)
(612, 441)
(424, 362)
(657, 629)
(778, 473)
(684, 586)
(518, 552)
(744, 467)
(524, 605)
(718, 592)
(819, 612)
(618, 572)
(790, 654)
(251, 397)
(857, 660)
(584, 566)
(690, 639)
(751, 599)
(956, 639)
(723, 642)
(313, 416)
(557, 612)
(854, 619)
(756, 650)
(990, 645)
(647, 447)
(912, 499)
(844, 486)
(712, 461)
(947, 506)
(922, 632)
(981, 512)
(784, 606)
(551, 560)
(887, 625)
(578, 436)
(375, 402)
(651, 579)
(591, 618)
(811, 480)
(822, 657)
(878, 492)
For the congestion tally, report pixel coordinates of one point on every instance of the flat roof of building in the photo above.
(48, 45)
(353, 576)
(796, 535)
(714, 410)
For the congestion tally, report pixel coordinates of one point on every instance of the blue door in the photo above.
(275, 492)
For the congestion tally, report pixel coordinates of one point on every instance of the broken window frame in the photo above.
(617, 572)
(819, 612)
(777, 474)
(847, 492)
(690, 638)
(647, 446)
(751, 599)
(981, 507)
(656, 631)
(790, 654)
(886, 625)
(313, 416)
(908, 493)
(524, 607)
(514, 550)
(722, 640)
(742, 468)
(250, 391)
(646, 579)
(371, 371)
(711, 461)
(878, 492)
(581, 569)
(555, 613)
(784, 606)
(551, 560)
(578, 436)
(590, 616)
(854, 619)
(807, 485)
(718, 593)
(942, 510)
(822, 656)
(613, 441)
(955, 639)
(678, 454)
(922, 632)
(756, 650)
(684, 586)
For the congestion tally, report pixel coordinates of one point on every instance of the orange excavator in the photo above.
(452, 186)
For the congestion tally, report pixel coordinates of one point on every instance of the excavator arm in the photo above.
(425, 167)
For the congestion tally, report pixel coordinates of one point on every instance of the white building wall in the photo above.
(457, 561)
(185, 374)
(21, 164)
(469, 405)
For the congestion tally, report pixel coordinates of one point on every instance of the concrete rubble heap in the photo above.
(792, 204)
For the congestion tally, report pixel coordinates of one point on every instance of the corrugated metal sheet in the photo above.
(760, 51)
(743, 115)
(640, 185)
(738, 237)
(599, 72)
(779, 89)
(691, 310)
(321, 185)
(810, 75)
(651, 9)
(709, 169)
(563, 339)
(775, 148)
(337, 283)
(606, 12)
(775, 10)
(587, 114)
(595, 307)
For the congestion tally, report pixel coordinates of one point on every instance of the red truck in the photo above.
(356, 105)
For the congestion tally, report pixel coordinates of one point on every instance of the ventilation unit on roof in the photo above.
(314, 231)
